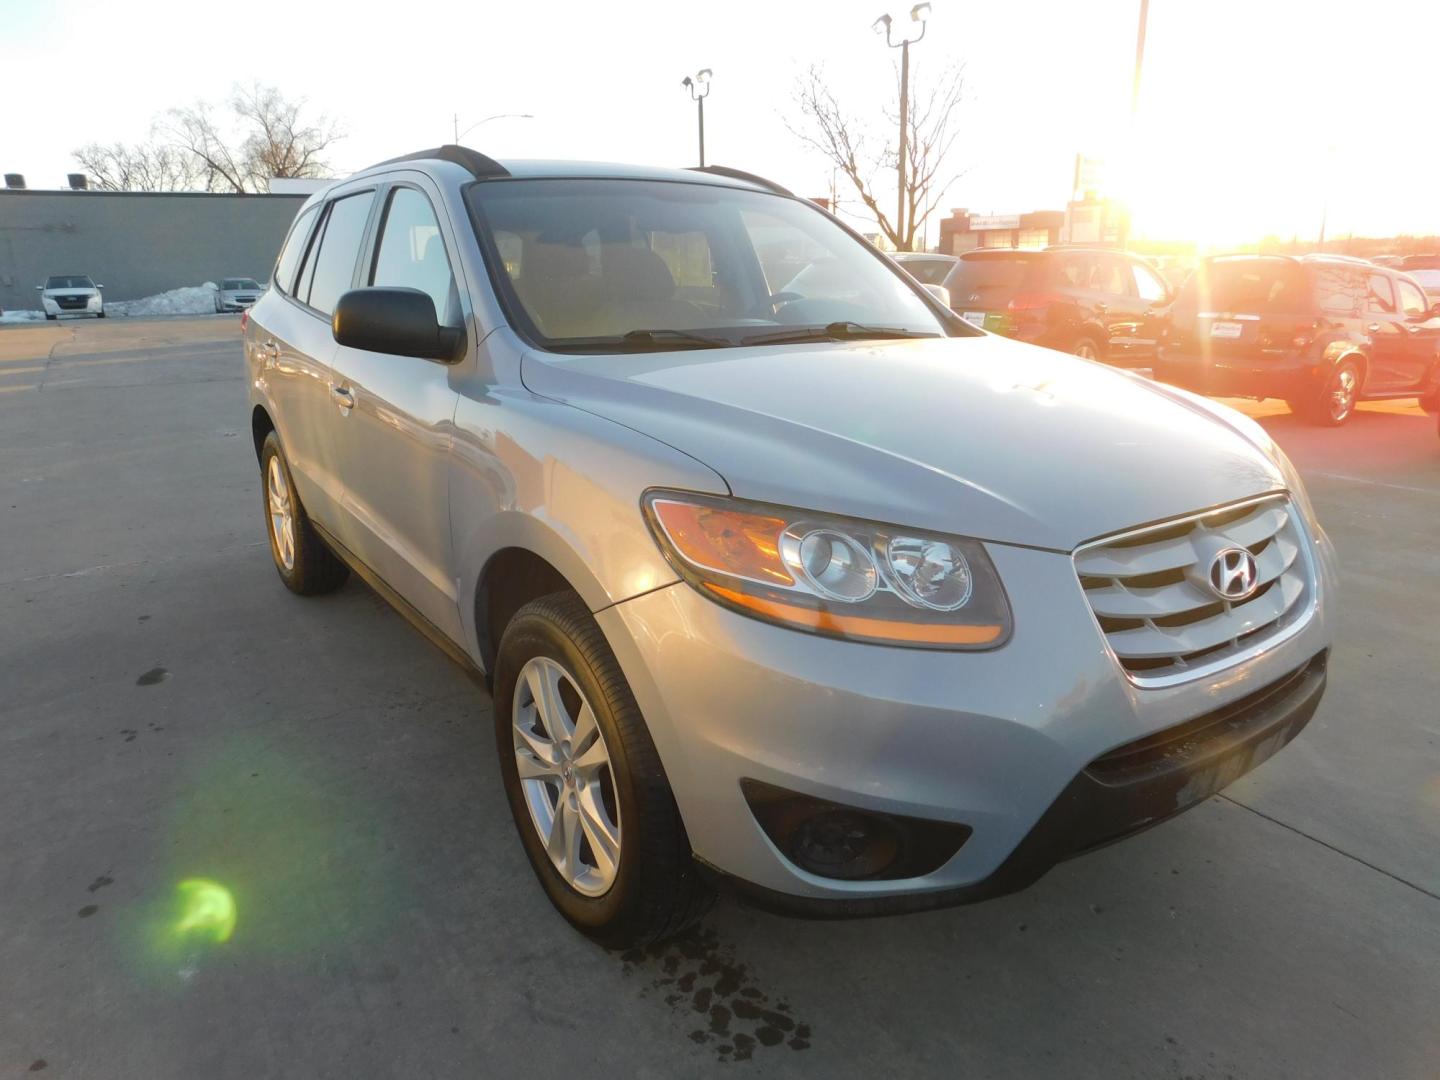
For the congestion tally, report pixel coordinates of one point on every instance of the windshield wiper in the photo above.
(641, 341)
(836, 331)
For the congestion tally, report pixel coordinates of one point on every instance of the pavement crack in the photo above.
(1326, 844)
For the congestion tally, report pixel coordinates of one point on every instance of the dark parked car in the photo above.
(1102, 305)
(1322, 332)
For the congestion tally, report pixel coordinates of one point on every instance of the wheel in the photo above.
(1336, 401)
(1086, 348)
(100, 315)
(590, 799)
(302, 560)
(52, 318)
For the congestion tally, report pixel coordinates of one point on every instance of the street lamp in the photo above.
(919, 16)
(699, 88)
(497, 116)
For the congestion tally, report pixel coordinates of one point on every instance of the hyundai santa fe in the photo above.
(784, 577)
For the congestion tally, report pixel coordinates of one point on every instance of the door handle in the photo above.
(343, 397)
(271, 350)
(1413, 328)
(1373, 328)
(1102, 307)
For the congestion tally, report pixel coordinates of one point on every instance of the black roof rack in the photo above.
(737, 174)
(474, 162)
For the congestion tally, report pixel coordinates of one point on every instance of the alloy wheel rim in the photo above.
(566, 776)
(1085, 351)
(1342, 394)
(282, 514)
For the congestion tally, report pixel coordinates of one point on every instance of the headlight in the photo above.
(843, 577)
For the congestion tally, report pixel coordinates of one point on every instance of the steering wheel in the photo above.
(774, 300)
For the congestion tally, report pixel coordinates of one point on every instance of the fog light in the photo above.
(846, 843)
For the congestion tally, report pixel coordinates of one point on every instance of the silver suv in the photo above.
(783, 577)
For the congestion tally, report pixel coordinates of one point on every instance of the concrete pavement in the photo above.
(169, 714)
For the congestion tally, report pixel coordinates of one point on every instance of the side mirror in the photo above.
(99, 286)
(39, 288)
(401, 322)
(939, 292)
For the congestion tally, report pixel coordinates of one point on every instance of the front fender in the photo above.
(532, 473)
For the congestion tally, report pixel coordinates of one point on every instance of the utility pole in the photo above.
(699, 88)
(1139, 57)
(885, 24)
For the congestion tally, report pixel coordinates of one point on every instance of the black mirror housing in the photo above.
(401, 322)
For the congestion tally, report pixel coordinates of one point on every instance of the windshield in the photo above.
(1257, 286)
(583, 263)
(239, 283)
(929, 271)
(69, 281)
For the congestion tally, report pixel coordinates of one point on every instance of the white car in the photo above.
(237, 293)
(71, 294)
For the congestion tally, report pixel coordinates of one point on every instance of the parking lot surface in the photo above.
(245, 834)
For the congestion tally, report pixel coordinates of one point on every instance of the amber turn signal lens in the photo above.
(862, 627)
(728, 542)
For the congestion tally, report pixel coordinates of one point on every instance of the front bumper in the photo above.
(1005, 742)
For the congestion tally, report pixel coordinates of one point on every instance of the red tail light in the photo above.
(1032, 301)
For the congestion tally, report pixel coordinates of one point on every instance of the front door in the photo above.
(1385, 327)
(396, 416)
(1421, 336)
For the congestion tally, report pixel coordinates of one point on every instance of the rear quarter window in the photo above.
(289, 260)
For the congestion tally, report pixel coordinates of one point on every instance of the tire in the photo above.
(100, 315)
(311, 568)
(51, 318)
(653, 890)
(1328, 408)
(1087, 348)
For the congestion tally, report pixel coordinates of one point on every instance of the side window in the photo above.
(411, 254)
(1412, 300)
(285, 266)
(1336, 291)
(1075, 271)
(1381, 296)
(334, 266)
(1110, 277)
(1147, 284)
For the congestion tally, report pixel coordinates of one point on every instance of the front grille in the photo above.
(1151, 594)
(71, 303)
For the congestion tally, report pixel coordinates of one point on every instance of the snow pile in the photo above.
(188, 300)
(21, 316)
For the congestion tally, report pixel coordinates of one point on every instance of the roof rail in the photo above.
(737, 174)
(474, 162)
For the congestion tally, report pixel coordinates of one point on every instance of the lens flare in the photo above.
(207, 910)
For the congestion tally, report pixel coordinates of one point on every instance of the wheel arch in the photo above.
(261, 425)
(511, 578)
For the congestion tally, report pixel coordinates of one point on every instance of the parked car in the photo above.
(783, 576)
(237, 294)
(1428, 280)
(1321, 332)
(1392, 261)
(928, 268)
(1411, 263)
(1100, 305)
(71, 294)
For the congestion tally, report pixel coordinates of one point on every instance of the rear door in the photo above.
(1239, 310)
(1154, 314)
(1421, 335)
(394, 415)
(1385, 326)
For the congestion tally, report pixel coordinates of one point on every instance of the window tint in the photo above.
(1147, 285)
(1412, 300)
(1110, 277)
(984, 278)
(290, 253)
(71, 281)
(1381, 296)
(334, 267)
(412, 254)
(1075, 271)
(1337, 290)
(1251, 286)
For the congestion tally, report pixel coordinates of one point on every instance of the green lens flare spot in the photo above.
(207, 911)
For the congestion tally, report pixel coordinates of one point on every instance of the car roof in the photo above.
(916, 256)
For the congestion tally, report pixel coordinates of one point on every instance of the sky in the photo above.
(1256, 117)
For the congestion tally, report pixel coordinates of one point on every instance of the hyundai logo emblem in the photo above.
(1233, 574)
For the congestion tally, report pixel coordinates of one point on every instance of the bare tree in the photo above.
(848, 141)
(269, 136)
(152, 166)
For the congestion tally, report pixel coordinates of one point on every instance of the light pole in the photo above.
(497, 116)
(919, 14)
(699, 87)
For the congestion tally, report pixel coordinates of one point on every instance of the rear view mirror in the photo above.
(401, 322)
(939, 292)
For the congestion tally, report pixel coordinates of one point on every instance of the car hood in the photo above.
(978, 436)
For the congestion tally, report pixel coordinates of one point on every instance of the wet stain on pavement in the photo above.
(153, 676)
(100, 882)
(697, 975)
(88, 910)
(38, 1064)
